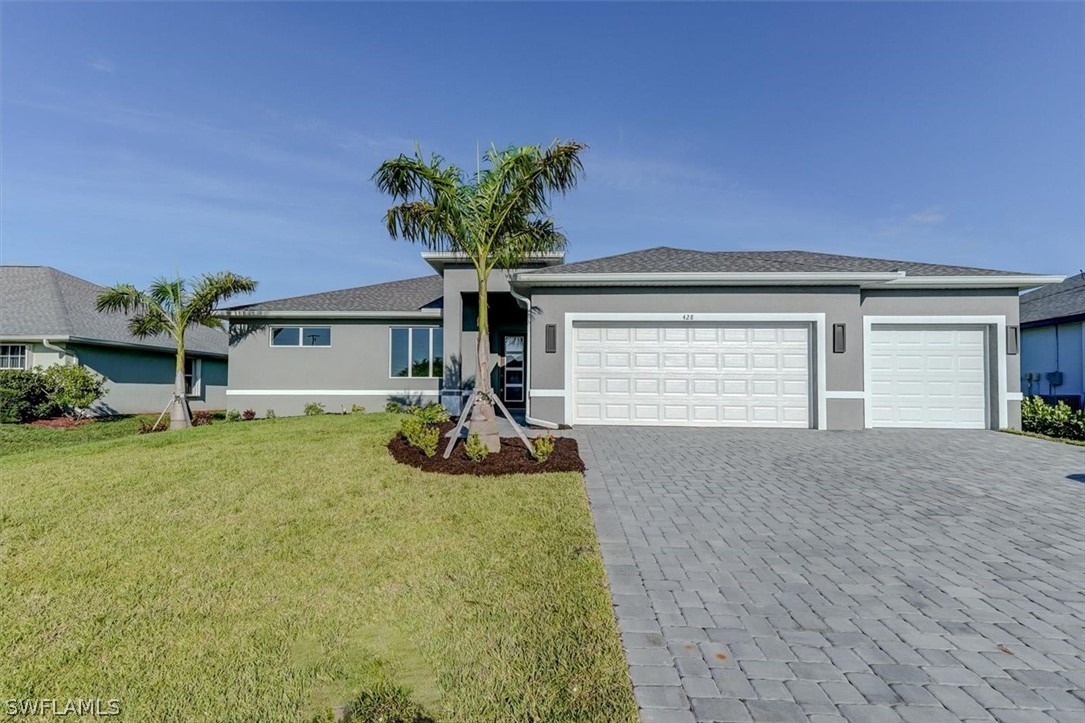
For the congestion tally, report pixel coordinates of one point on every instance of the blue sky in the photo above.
(146, 138)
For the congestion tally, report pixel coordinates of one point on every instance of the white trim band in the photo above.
(1015, 397)
(333, 392)
(546, 392)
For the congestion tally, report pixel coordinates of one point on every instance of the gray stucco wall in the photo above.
(847, 305)
(353, 370)
(139, 381)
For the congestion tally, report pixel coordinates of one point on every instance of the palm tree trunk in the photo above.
(483, 418)
(180, 415)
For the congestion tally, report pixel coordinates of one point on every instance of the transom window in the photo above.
(301, 336)
(417, 352)
(13, 356)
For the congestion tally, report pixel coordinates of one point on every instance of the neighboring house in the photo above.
(48, 317)
(1053, 341)
(657, 337)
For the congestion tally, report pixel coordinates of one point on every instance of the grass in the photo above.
(1037, 435)
(270, 570)
(19, 438)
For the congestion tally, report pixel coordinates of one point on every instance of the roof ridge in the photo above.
(60, 299)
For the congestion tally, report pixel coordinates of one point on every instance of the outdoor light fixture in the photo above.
(838, 339)
(551, 338)
(1012, 340)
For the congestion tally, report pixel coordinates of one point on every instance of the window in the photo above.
(193, 377)
(301, 336)
(13, 356)
(417, 352)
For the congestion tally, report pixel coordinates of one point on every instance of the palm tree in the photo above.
(496, 218)
(168, 307)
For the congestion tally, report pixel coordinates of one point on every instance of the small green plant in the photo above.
(72, 388)
(432, 413)
(201, 418)
(233, 416)
(248, 415)
(1057, 420)
(313, 409)
(393, 407)
(388, 703)
(357, 409)
(475, 449)
(270, 414)
(420, 435)
(542, 448)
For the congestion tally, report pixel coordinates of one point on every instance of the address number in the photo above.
(687, 317)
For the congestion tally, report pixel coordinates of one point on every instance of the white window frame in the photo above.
(410, 351)
(196, 387)
(301, 336)
(25, 355)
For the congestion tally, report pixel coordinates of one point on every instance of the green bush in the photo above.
(357, 409)
(270, 414)
(387, 703)
(314, 409)
(1057, 420)
(24, 396)
(393, 407)
(420, 435)
(542, 448)
(72, 388)
(432, 413)
(475, 448)
(233, 416)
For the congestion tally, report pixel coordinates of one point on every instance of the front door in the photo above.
(513, 374)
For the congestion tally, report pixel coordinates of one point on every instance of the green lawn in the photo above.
(19, 438)
(269, 570)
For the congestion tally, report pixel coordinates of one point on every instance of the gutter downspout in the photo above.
(525, 302)
(59, 349)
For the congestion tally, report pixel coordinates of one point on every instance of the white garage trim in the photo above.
(333, 392)
(845, 395)
(998, 322)
(816, 320)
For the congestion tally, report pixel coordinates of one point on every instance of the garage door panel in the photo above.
(928, 376)
(710, 374)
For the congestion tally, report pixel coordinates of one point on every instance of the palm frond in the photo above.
(123, 298)
(208, 292)
(151, 321)
(168, 294)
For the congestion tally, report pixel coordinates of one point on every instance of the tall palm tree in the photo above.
(167, 307)
(495, 217)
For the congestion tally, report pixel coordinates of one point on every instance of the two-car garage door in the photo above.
(693, 375)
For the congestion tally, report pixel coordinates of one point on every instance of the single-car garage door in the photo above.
(928, 376)
(681, 374)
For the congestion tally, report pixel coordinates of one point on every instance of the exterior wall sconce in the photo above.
(1013, 340)
(551, 338)
(839, 339)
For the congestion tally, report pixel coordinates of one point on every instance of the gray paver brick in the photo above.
(719, 709)
(851, 555)
(869, 714)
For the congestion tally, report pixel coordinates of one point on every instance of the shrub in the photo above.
(146, 426)
(72, 388)
(420, 435)
(393, 407)
(357, 409)
(1057, 420)
(542, 448)
(270, 414)
(387, 703)
(432, 413)
(314, 409)
(475, 448)
(24, 396)
(233, 416)
(248, 415)
(201, 418)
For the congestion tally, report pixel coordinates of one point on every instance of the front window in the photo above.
(417, 352)
(192, 376)
(13, 356)
(301, 336)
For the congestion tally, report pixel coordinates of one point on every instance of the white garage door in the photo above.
(678, 374)
(928, 376)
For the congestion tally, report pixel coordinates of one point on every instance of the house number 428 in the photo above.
(687, 317)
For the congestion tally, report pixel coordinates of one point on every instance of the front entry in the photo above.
(512, 375)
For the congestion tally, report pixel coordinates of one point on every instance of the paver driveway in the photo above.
(867, 576)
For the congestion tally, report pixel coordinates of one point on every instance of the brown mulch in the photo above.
(512, 459)
(59, 423)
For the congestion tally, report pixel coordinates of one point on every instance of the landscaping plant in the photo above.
(432, 413)
(475, 449)
(168, 307)
(357, 409)
(201, 418)
(233, 416)
(1057, 420)
(496, 217)
(248, 415)
(542, 448)
(270, 414)
(420, 435)
(24, 397)
(313, 409)
(72, 388)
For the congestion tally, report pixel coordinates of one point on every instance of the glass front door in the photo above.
(513, 379)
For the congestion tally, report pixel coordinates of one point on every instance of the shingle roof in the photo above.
(41, 301)
(1055, 302)
(664, 259)
(405, 295)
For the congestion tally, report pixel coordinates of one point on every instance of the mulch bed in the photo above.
(59, 423)
(512, 459)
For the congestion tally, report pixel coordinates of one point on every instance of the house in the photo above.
(1053, 341)
(48, 317)
(663, 336)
